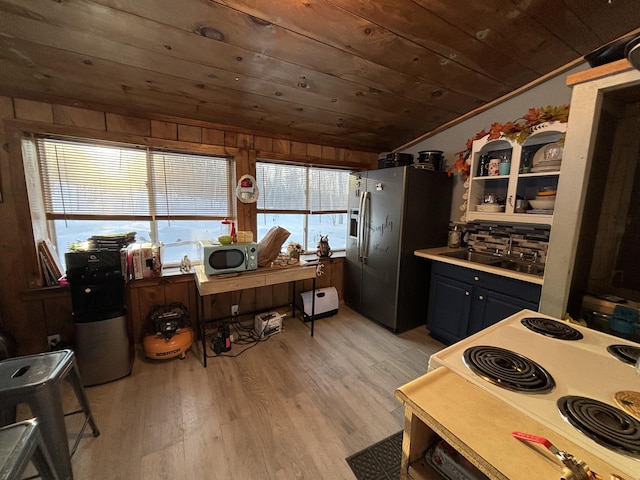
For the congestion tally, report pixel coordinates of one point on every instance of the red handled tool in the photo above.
(573, 468)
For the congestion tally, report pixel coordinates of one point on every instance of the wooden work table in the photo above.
(263, 276)
(478, 425)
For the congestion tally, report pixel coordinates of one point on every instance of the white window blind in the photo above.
(188, 185)
(310, 202)
(301, 189)
(87, 180)
(328, 190)
(282, 187)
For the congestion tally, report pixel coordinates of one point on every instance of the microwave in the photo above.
(236, 257)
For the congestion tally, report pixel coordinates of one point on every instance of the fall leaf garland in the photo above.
(517, 131)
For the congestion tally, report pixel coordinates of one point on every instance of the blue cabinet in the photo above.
(449, 308)
(463, 301)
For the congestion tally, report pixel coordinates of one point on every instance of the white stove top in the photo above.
(581, 367)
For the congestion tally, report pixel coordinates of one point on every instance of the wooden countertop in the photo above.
(436, 254)
(230, 282)
(479, 425)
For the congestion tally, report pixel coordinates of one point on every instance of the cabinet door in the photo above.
(489, 307)
(449, 308)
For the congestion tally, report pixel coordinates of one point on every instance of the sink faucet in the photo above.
(509, 243)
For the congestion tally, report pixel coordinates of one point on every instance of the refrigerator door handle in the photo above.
(364, 237)
(360, 223)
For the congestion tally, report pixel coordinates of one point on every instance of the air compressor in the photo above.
(168, 332)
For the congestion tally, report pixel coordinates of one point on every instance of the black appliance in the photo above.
(431, 159)
(392, 213)
(391, 159)
(97, 282)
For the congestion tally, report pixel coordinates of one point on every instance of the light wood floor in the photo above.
(293, 407)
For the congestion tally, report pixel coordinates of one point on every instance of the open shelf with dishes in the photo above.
(512, 182)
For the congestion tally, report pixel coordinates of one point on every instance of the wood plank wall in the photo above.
(29, 312)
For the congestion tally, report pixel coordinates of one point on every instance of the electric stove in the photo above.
(557, 373)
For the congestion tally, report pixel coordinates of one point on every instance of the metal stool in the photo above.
(20, 443)
(35, 380)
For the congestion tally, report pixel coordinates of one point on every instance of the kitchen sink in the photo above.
(476, 257)
(523, 267)
(498, 261)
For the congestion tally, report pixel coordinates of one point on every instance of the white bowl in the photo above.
(543, 204)
(490, 207)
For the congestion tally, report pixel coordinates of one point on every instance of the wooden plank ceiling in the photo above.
(368, 75)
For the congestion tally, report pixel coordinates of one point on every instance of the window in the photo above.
(89, 188)
(307, 201)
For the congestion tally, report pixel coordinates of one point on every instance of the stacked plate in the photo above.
(547, 159)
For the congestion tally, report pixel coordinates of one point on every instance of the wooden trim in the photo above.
(249, 221)
(26, 241)
(269, 211)
(244, 211)
(30, 294)
(164, 279)
(599, 72)
(119, 137)
(310, 160)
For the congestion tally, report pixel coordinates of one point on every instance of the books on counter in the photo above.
(112, 242)
(143, 260)
(50, 263)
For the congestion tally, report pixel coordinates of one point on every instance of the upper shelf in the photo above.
(520, 182)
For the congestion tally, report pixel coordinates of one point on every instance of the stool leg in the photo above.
(42, 461)
(76, 383)
(46, 405)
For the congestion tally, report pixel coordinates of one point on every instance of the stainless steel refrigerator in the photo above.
(392, 212)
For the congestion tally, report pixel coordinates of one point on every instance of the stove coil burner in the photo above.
(508, 369)
(551, 328)
(604, 424)
(626, 353)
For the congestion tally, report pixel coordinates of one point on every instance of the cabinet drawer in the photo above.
(529, 292)
(456, 272)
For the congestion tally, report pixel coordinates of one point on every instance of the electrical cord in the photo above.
(246, 336)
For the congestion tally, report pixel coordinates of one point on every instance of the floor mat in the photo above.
(380, 461)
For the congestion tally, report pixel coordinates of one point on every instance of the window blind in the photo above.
(302, 189)
(282, 187)
(328, 190)
(187, 185)
(82, 179)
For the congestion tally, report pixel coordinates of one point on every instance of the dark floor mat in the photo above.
(380, 461)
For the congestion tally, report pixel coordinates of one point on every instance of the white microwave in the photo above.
(236, 257)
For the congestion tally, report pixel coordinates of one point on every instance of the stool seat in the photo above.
(21, 443)
(33, 371)
(35, 380)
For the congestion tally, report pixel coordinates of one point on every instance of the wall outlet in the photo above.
(53, 341)
(234, 310)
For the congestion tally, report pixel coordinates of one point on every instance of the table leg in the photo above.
(313, 304)
(293, 303)
(201, 329)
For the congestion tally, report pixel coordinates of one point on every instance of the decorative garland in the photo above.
(517, 131)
